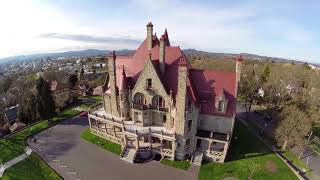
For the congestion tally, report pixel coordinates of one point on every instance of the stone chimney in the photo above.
(239, 60)
(113, 86)
(162, 55)
(149, 35)
(180, 119)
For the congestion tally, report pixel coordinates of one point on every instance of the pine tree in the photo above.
(1, 112)
(44, 101)
(73, 79)
(81, 74)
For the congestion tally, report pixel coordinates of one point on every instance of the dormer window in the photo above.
(149, 83)
(220, 106)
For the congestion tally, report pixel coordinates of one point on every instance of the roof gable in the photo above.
(149, 71)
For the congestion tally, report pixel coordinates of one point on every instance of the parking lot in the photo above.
(63, 149)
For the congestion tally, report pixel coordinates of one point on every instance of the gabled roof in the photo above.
(211, 84)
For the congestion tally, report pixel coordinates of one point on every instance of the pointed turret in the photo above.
(123, 82)
(166, 37)
(123, 93)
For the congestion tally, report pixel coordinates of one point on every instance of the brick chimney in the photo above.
(162, 54)
(149, 35)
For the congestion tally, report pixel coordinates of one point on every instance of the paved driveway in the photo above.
(73, 158)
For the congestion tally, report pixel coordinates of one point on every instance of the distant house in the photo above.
(11, 114)
(97, 91)
(83, 88)
(16, 126)
(3, 132)
(61, 95)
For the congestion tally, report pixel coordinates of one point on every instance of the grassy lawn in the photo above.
(293, 158)
(176, 164)
(103, 143)
(15, 144)
(95, 98)
(315, 145)
(247, 156)
(316, 129)
(32, 168)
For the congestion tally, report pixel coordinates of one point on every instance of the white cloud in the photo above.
(232, 28)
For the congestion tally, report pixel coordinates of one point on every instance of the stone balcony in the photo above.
(129, 127)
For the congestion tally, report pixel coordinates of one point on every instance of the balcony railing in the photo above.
(139, 106)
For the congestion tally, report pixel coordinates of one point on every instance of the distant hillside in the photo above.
(211, 55)
(96, 52)
(88, 52)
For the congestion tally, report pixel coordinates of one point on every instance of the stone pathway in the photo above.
(15, 160)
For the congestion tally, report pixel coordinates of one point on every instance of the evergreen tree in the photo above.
(265, 74)
(73, 79)
(44, 101)
(2, 107)
(81, 74)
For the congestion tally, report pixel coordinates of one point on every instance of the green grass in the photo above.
(294, 159)
(316, 129)
(176, 164)
(315, 145)
(103, 143)
(32, 168)
(95, 98)
(247, 155)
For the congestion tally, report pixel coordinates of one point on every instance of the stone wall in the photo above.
(217, 124)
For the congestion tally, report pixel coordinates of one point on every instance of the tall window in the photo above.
(221, 106)
(139, 98)
(158, 102)
(188, 142)
(189, 125)
(164, 120)
(149, 83)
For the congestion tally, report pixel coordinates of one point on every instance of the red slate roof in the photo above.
(209, 85)
(200, 83)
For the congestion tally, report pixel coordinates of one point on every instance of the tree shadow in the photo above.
(245, 145)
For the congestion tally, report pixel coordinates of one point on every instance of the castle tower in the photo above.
(123, 94)
(113, 85)
(180, 120)
(149, 35)
(162, 54)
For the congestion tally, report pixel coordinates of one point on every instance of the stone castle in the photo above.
(154, 102)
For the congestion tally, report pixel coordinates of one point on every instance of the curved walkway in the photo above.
(15, 160)
(63, 149)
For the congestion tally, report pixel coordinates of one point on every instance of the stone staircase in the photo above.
(129, 154)
(197, 158)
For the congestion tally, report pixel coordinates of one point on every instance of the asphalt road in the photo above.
(73, 158)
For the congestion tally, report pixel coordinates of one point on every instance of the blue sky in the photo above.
(287, 28)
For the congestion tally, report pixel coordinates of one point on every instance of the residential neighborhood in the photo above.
(129, 91)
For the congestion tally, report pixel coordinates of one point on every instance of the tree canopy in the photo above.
(44, 101)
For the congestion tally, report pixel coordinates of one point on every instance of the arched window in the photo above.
(139, 98)
(158, 102)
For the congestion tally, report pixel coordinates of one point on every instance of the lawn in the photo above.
(247, 156)
(293, 158)
(14, 145)
(95, 98)
(32, 168)
(103, 143)
(176, 164)
(316, 129)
